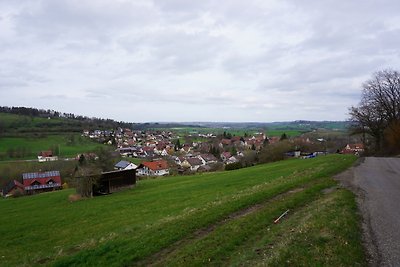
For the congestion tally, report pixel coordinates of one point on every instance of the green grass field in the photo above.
(217, 219)
(69, 145)
(289, 133)
(12, 120)
(26, 125)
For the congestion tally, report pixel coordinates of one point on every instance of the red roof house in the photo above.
(41, 181)
(153, 168)
(225, 156)
(355, 149)
(46, 156)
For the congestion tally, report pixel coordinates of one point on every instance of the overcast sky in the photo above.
(179, 60)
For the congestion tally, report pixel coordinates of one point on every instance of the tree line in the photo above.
(72, 121)
(377, 116)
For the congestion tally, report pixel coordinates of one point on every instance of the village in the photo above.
(156, 153)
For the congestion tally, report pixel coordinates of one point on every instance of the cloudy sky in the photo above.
(179, 60)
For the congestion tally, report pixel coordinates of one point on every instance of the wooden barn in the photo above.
(113, 181)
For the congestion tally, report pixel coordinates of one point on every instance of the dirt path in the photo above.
(376, 181)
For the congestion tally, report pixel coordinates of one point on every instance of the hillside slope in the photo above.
(216, 219)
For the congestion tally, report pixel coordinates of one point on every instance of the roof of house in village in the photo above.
(47, 153)
(235, 138)
(194, 161)
(147, 148)
(356, 146)
(209, 157)
(122, 164)
(186, 148)
(156, 165)
(11, 185)
(226, 154)
(226, 141)
(161, 145)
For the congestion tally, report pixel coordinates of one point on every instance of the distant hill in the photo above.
(22, 120)
(299, 125)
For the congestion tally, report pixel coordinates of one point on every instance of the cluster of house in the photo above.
(195, 156)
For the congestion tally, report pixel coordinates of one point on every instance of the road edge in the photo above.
(369, 241)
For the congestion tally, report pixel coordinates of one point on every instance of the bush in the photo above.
(233, 166)
(275, 152)
(18, 193)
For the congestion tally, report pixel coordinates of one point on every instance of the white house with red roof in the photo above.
(153, 168)
(46, 156)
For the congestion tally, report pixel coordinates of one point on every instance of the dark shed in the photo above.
(113, 181)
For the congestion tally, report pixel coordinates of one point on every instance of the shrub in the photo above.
(233, 166)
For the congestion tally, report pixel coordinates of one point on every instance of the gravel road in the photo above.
(376, 182)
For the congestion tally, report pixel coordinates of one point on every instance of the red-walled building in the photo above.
(41, 181)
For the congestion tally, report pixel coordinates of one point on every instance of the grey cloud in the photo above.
(245, 60)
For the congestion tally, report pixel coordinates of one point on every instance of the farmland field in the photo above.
(216, 219)
(235, 132)
(68, 145)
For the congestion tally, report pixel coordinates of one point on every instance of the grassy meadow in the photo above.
(289, 133)
(14, 170)
(28, 147)
(11, 121)
(216, 219)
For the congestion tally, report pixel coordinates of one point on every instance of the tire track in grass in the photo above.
(325, 232)
(185, 251)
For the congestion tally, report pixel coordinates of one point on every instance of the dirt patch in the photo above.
(329, 190)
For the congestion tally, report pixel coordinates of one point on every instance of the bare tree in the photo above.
(86, 177)
(379, 108)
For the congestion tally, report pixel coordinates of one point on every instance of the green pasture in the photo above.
(215, 219)
(289, 133)
(68, 145)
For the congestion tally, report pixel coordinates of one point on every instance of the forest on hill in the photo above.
(24, 120)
